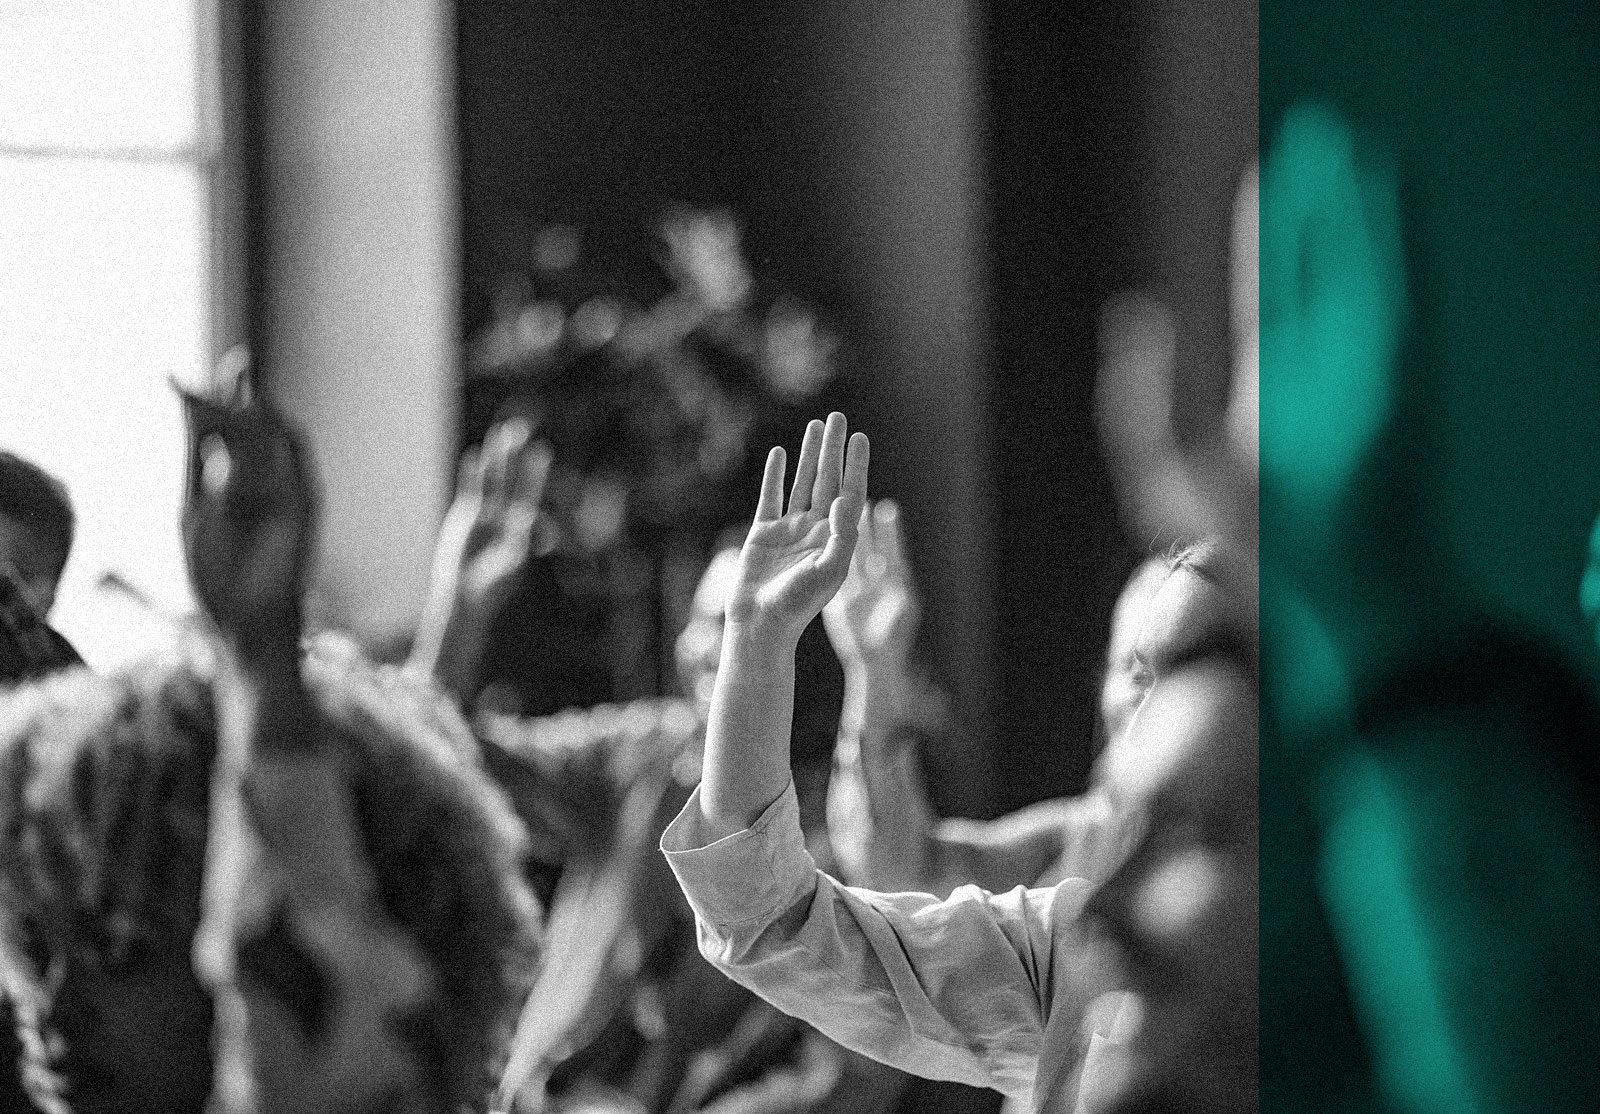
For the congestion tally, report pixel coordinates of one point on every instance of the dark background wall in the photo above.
(957, 188)
(1064, 120)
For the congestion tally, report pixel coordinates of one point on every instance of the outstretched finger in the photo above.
(805, 470)
(826, 487)
(533, 472)
(500, 449)
(856, 578)
(866, 536)
(769, 507)
(857, 458)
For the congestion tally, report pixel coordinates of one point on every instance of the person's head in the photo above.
(699, 645)
(1165, 607)
(1181, 911)
(36, 527)
(104, 792)
(1124, 682)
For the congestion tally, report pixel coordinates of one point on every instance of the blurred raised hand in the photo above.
(483, 546)
(488, 531)
(1205, 486)
(873, 618)
(248, 519)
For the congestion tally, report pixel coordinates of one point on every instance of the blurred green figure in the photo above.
(1430, 466)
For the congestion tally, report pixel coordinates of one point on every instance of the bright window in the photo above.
(106, 151)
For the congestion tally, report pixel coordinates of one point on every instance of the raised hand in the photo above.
(486, 536)
(794, 560)
(482, 548)
(873, 618)
(791, 565)
(248, 518)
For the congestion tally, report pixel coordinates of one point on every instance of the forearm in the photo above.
(878, 813)
(789, 1088)
(1014, 850)
(285, 842)
(450, 643)
(263, 707)
(747, 733)
(295, 799)
(942, 989)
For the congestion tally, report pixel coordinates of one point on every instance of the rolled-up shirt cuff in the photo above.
(746, 877)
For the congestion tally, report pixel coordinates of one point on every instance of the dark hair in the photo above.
(39, 501)
(103, 809)
(104, 794)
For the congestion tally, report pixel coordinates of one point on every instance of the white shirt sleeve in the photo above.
(984, 989)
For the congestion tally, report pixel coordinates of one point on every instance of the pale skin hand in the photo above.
(872, 620)
(483, 546)
(793, 562)
(872, 624)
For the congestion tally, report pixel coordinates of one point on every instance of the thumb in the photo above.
(843, 527)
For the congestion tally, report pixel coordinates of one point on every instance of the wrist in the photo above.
(760, 635)
(878, 668)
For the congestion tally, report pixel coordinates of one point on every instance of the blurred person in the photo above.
(1432, 889)
(36, 528)
(36, 531)
(364, 927)
(1181, 910)
(1431, 706)
(981, 988)
(879, 811)
(106, 804)
(106, 801)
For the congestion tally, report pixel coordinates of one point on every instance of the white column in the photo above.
(362, 282)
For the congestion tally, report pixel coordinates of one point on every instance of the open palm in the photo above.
(487, 534)
(876, 612)
(795, 559)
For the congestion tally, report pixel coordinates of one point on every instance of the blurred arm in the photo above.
(880, 820)
(285, 843)
(482, 549)
(1460, 874)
